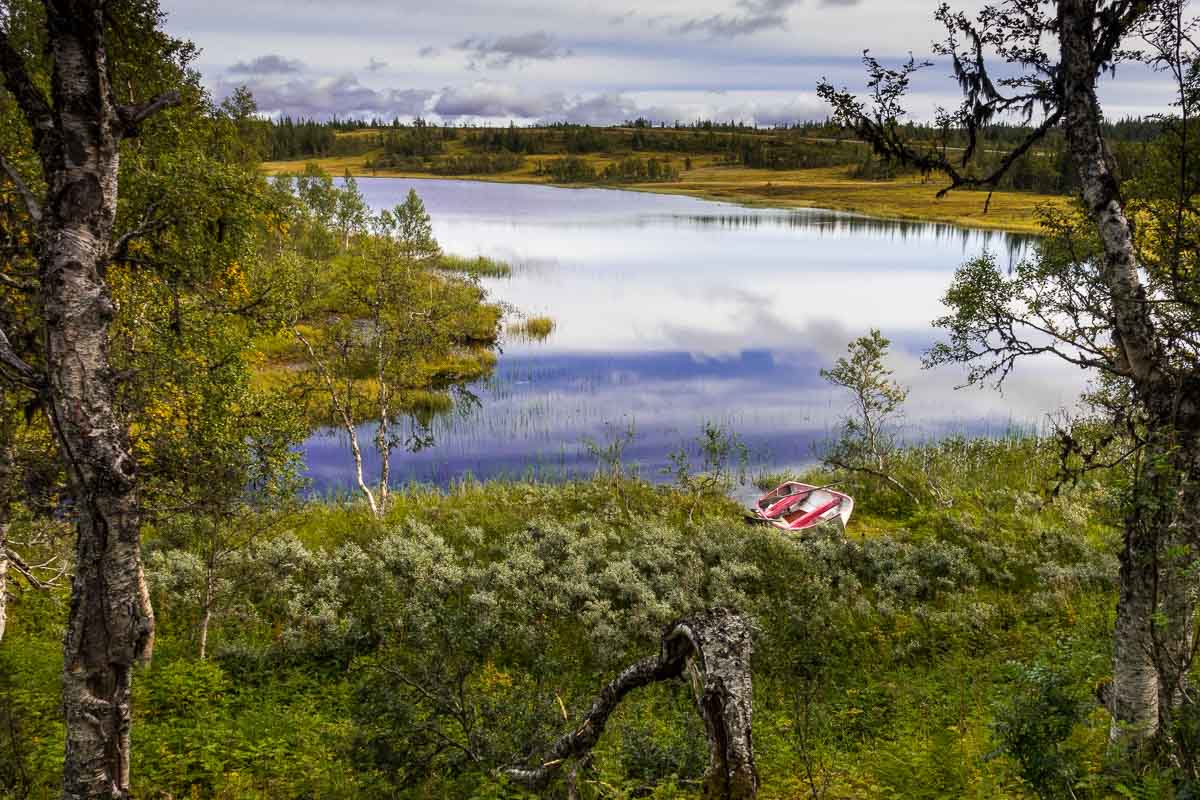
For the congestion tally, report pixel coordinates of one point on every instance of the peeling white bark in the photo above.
(347, 421)
(77, 133)
(1143, 689)
(3, 580)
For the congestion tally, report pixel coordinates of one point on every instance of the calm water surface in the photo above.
(672, 312)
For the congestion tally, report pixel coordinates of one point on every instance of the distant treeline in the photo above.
(573, 169)
(421, 146)
(468, 164)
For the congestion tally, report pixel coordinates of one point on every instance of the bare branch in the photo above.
(133, 115)
(838, 463)
(30, 99)
(29, 572)
(149, 223)
(32, 207)
(13, 367)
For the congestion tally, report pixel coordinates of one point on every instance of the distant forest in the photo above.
(645, 151)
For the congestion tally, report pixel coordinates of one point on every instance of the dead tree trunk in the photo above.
(718, 642)
(77, 133)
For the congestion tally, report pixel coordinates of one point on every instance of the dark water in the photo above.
(673, 312)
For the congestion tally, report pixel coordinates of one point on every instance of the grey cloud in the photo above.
(505, 51)
(342, 96)
(267, 65)
(429, 51)
(500, 100)
(754, 16)
(376, 64)
(487, 99)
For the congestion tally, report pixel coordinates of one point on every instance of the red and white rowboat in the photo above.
(795, 506)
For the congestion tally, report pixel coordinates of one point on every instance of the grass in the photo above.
(536, 329)
(480, 266)
(907, 197)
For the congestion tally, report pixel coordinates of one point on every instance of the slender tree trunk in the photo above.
(3, 580)
(384, 446)
(343, 412)
(383, 442)
(206, 610)
(358, 468)
(1134, 700)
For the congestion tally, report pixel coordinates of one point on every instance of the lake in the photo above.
(674, 312)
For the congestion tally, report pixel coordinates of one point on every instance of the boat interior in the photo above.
(797, 504)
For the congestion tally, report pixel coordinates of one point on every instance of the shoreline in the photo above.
(907, 200)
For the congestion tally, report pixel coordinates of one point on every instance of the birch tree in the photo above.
(76, 130)
(867, 437)
(388, 332)
(1099, 294)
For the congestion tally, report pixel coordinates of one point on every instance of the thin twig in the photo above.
(32, 207)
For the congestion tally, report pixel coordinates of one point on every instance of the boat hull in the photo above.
(795, 506)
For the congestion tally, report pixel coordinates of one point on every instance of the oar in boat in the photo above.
(815, 514)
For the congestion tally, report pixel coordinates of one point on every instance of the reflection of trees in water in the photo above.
(846, 225)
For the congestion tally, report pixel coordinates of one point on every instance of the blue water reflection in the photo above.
(672, 312)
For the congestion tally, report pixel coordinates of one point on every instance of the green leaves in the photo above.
(867, 439)
(1034, 725)
(383, 334)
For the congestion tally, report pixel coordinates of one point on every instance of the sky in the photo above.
(527, 61)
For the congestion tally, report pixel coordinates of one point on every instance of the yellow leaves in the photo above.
(163, 416)
(492, 677)
(232, 282)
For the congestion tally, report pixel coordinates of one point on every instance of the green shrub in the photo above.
(1034, 724)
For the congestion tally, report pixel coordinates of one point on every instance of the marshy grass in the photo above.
(480, 266)
(536, 329)
(423, 401)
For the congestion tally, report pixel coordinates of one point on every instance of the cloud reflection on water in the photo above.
(672, 312)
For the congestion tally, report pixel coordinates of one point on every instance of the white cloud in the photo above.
(325, 97)
(496, 100)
